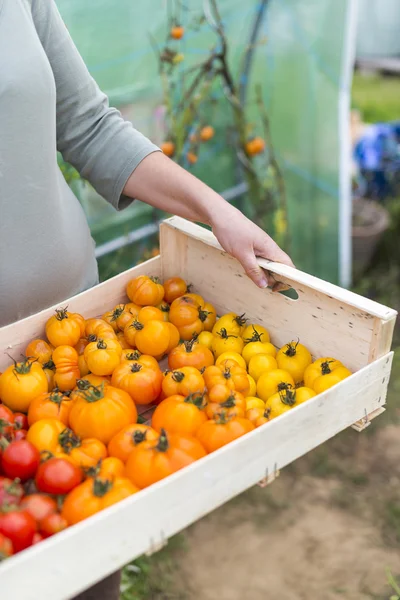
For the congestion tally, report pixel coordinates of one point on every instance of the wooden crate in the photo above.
(329, 320)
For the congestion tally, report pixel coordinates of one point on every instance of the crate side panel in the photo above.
(141, 522)
(92, 303)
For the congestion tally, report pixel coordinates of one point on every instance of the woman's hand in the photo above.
(244, 240)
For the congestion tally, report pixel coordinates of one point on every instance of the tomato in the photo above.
(232, 323)
(103, 356)
(252, 386)
(254, 402)
(130, 310)
(7, 422)
(187, 316)
(57, 476)
(149, 462)
(254, 146)
(93, 495)
(174, 288)
(44, 435)
(280, 403)
(122, 444)
(165, 308)
(88, 381)
(40, 350)
(51, 524)
(111, 317)
(258, 415)
(206, 338)
(226, 342)
(190, 354)
(180, 414)
(6, 547)
(50, 405)
(234, 377)
(62, 442)
(20, 434)
(22, 382)
(303, 394)
(122, 341)
(156, 338)
(81, 345)
(261, 363)
(255, 333)
(19, 527)
(177, 32)
(294, 358)
(98, 329)
(101, 412)
(253, 348)
(64, 328)
(184, 381)
(208, 316)
(324, 373)
(174, 337)
(11, 492)
(20, 420)
(145, 291)
(206, 133)
(67, 370)
(37, 538)
(168, 148)
(273, 382)
(228, 358)
(225, 402)
(108, 468)
(150, 313)
(221, 431)
(39, 505)
(199, 300)
(131, 356)
(141, 381)
(49, 370)
(20, 460)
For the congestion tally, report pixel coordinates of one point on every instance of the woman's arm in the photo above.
(160, 182)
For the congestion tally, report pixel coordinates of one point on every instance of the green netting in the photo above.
(298, 62)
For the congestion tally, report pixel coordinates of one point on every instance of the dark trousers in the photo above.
(107, 589)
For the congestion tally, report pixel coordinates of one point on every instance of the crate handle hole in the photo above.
(289, 293)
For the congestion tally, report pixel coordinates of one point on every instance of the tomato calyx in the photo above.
(229, 402)
(101, 344)
(49, 365)
(282, 386)
(101, 487)
(61, 313)
(203, 314)
(178, 376)
(222, 418)
(255, 336)
(288, 397)
(163, 442)
(291, 348)
(241, 319)
(188, 345)
(164, 307)
(136, 367)
(154, 279)
(197, 399)
(92, 393)
(224, 335)
(82, 385)
(226, 374)
(92, 337)
(134, 355)
(325, 368)
(57, 397)
(138, 437)
(136, 325)
(24, 366)
(46, 455)
(117, 312)
(69, 440)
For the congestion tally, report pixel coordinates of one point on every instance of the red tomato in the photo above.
(20, 460)
(19, 526)
(20, 434)
(6, 548)
(37, 538)
(52, 524)
(20, 421)
(11, 492)
(6, 422)
(58, 476)
(39, 505)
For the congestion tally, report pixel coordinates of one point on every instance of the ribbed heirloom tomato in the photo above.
(93, 495)
(185, 314)
(67, 370)
(174, 288)
(98, 329)
(131, 356)
(103, 356)
(294, 358)
(50, 405)
(145, 291)
(21, 383)
(40, 350)
(190, 354)
(107, 468)
(64, 328)
(101, 412)
(184, 381)
(122, 444)
(225, 402)
(180, 414)
(324, 373)
(152, 461)
(130, 310)
(140, 381)
(111, 317)
(221, 431)
(235, 377)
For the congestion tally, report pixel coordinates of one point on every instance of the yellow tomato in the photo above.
(226, 342)
(325, 373)
(272, 382)
(278, 404)
(255, 333)
(253, 387)
(261, 363)
(303, 394)
(235, 356)
(232, 323)
(254, 348)
(206, 338)
(294, 358)
(254, 402)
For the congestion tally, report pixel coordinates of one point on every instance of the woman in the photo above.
(48, 101)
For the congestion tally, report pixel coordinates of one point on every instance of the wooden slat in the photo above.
(71, 561)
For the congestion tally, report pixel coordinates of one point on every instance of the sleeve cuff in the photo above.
(119, 200)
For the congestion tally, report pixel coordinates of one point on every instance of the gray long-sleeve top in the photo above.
(48, 101)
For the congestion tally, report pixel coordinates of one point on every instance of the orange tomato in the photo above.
(149, 462)
(132, 356)
(122, 341)
(226, 402)
(111, 317)
(234, 377)
(174, 288)
(145, 291)
(84, 453)
(122, 444)
(184, 381)
(81, 345)
(177, 32)
(150, 313)
(98, 329)
(51, 405)
(40, 350)
(130, 310)
(64, 328)
(168, 148)
(44, 435)
(107, 468)
(141, 381)
(230, 358)
(103, 356)
(180, 414)
(258, 416)
(93, 495)
(155, 338)
(207, 133)
(221, 431)
(101, 412)
(20, 383)
(185, 314)
(67, 370)
(190, 354)
(208, 316)
(255, 146)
